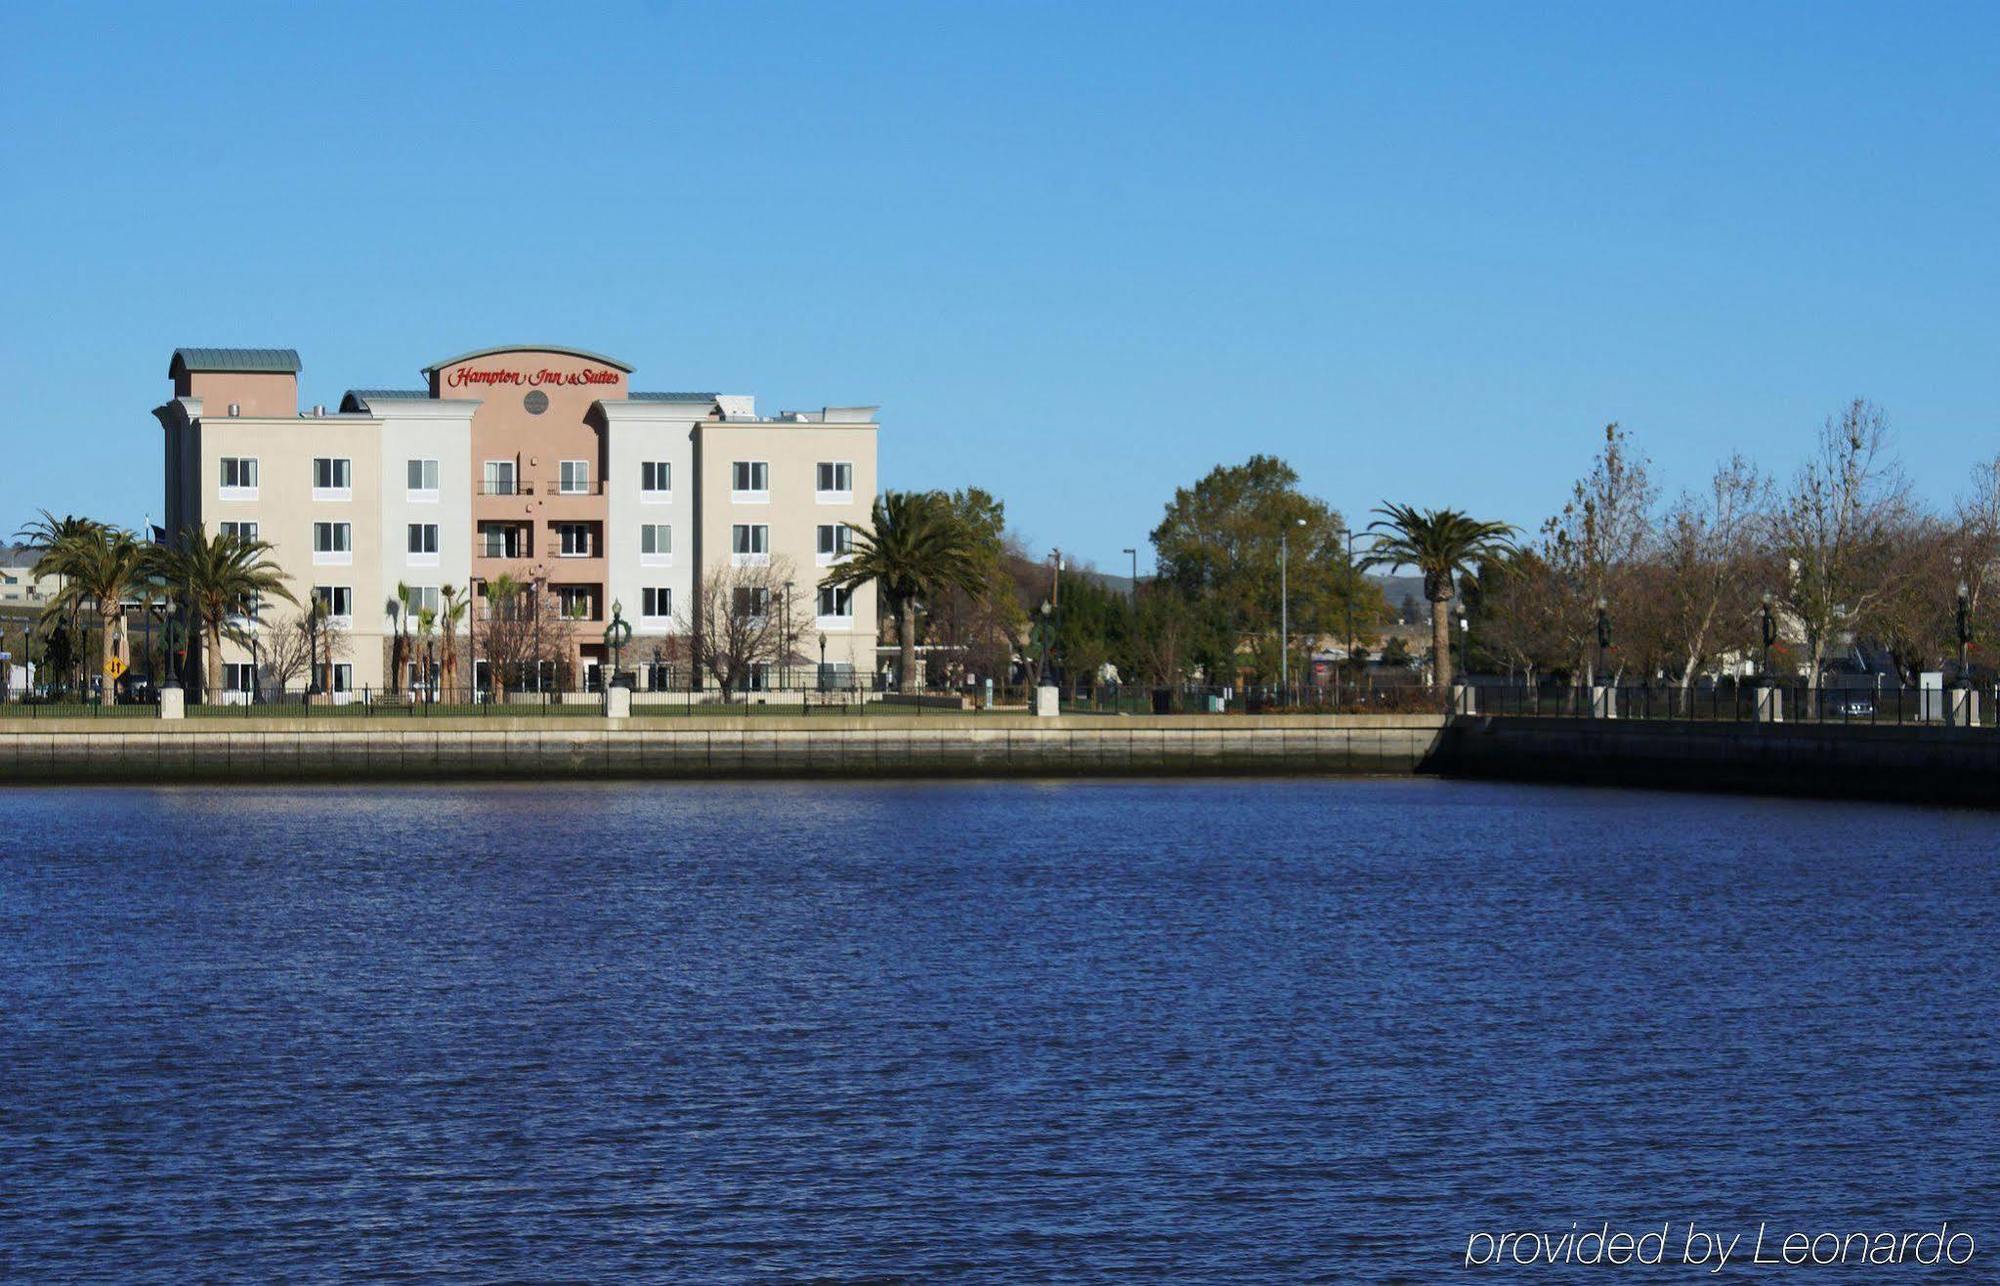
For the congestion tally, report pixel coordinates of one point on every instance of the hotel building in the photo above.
(537, 462)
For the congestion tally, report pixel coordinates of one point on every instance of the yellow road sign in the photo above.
(114, 667)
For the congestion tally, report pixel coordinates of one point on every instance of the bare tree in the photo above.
(739, 618)
(1595, 542)
(1706, 556)
(1833, 531)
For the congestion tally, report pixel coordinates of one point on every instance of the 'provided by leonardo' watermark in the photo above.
(1717, 1249)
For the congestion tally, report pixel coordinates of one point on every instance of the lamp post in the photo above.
(822, 663)
(1603, 636)
(1285, 606)
(785, 657)
(1964, 622)
(1770, 635)
(616, 636)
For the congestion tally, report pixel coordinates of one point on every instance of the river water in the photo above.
(1232, 1030)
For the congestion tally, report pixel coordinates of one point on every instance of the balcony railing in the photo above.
(558, 487)
(505, 487)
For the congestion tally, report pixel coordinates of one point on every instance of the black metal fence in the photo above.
(805, 699)
(1743, 703)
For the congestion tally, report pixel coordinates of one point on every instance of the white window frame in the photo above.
(750, 471)
(426, 469)
(656, 596)
(334, 616)
(563, 531)
(581, 594)
(656, 495)
(843, 544)
(421, 597)
(487, 482)
(424, 533)
(243, 530)
(338, 467)
(656, 534)
(245, 467)
(340, 544)
(835, 619)
(749, 544)
(835, 495)
(573, 478)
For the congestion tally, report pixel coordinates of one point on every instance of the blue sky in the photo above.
(1079, 253)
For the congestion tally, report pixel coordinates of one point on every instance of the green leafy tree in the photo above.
(1218, 546)
(1440, 544)
(915, 550)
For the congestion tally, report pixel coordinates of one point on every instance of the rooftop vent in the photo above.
(319, 409)
(235, 409)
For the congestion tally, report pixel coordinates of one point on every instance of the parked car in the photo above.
(1852, 706)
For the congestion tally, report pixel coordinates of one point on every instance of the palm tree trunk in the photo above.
(108, 650)
(1441, 644)
(906, 646)
(211, 666)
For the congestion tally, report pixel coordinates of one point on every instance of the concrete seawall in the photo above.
(1912, 764)
(549, 747)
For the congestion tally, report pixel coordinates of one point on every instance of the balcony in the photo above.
(505, 487)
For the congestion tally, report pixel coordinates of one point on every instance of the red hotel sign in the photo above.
(460, 376)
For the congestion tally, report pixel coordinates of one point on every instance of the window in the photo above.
(245, 531)
(343, 677)
(339, 600)
(249, 609)
(423, 543)
(238, 676)
(499, 479)
(239, 477)
(750, 545)
(656, 603)
(419, 598)
(575, 477)
(834, 483)
(656, 545)
(836, 604)
(836, 541)
(333, 479)
(502, 540)
(574, 602)
(659, 676)
(423, 481)
(656, 481)
(333, 542)
(574, 538)
(750, 481)
(751, 601)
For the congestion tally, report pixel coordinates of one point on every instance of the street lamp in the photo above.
(822, 663)
(1770, 634)
(616, 636)
(1964, 635)
(1603, 636)
(1285, 606)
(785, 658)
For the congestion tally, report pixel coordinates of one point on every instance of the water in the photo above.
(1230, 1030)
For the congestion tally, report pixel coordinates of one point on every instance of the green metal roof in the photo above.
(670, 397)
(584, 353)
(257, 361)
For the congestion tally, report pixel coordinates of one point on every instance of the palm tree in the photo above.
(449, 618)
(399, 620)
(1442, 544)
(219, 576)
(427, 619)
(501, 594)
(915, 550)
(46, 534)
(100, 567)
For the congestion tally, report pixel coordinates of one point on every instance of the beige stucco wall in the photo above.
(285, 511)
(793, 450)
